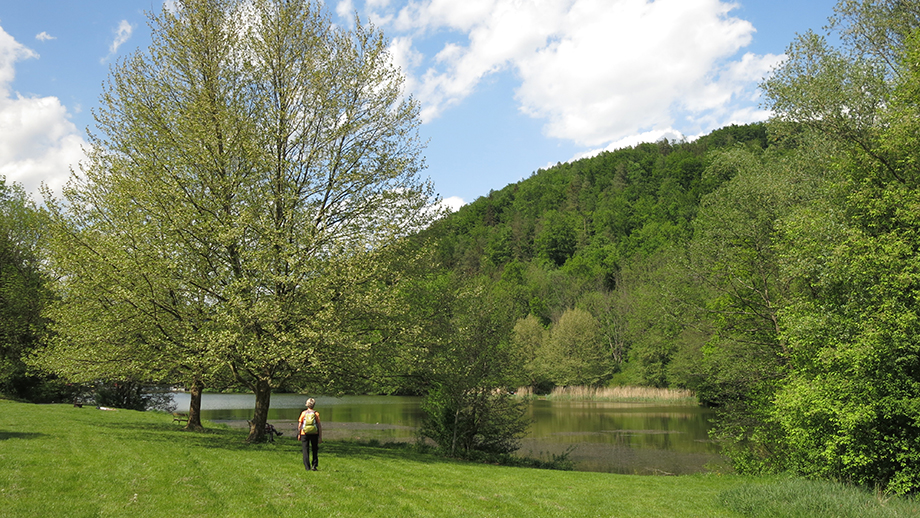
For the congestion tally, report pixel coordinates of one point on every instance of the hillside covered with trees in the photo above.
(568, 248)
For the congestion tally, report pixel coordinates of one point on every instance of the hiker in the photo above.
(310, 433)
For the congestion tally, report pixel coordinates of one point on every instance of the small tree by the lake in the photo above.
(468, 366)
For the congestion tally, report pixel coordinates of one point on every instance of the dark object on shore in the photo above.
(270, 431)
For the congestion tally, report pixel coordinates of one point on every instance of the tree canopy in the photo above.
(850, 407)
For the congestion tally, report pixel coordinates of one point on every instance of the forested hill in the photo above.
(580, 222)
(587, 216)
(572, 257)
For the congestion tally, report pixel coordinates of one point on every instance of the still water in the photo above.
(597, 436)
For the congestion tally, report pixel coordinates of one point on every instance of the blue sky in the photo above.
(506, 86)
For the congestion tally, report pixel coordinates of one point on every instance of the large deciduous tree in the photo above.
(250, 171)
(743, 290)
(573, 350)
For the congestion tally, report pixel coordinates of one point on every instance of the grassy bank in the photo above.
(56, 460)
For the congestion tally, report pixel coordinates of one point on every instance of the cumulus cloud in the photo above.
(38, 142)
(345, 9)
(122, 35)
(596, 71)
(452, 203)
(44, 36)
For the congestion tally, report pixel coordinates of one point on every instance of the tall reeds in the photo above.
(623, 394)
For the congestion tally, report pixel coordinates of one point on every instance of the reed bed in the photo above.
(619, 394)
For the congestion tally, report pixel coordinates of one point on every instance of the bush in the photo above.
(41, 389)
(482, 420)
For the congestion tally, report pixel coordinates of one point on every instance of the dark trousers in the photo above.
(310, 443)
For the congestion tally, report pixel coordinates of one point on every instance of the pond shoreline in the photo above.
(603, 436)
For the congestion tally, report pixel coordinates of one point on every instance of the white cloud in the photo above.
(436, 14)
(11, 51)
(44, 36)
(452, 203)
(617, 69)
(345, 9)
(596, 71)
(406, 58)
(122, 35)
(38, 142)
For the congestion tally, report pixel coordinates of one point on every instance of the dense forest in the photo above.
(770, 268)
(571, 244)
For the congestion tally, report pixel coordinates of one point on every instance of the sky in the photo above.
(506, 87)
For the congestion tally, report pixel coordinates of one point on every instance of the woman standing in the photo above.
(310, 433)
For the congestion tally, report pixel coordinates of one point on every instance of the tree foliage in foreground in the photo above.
(236, 214)
(850, 407)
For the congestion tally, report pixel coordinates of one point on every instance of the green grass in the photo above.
(796, 498)
(60, 461)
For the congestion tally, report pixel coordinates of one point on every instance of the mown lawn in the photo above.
(56, 460)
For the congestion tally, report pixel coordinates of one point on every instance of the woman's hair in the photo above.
(311, 402)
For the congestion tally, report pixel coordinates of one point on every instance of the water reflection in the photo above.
(623, 437)
(351, 417)
(596, 436)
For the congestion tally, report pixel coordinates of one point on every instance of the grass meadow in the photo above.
(61, 461)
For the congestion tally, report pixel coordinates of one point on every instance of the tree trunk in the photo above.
(194, 406)
(260, 415)
(453, 443)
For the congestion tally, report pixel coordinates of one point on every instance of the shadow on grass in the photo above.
(208, 438)
(233, 439)
(20, 435)
(392, 450)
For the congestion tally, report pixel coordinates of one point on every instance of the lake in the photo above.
(631, 438)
